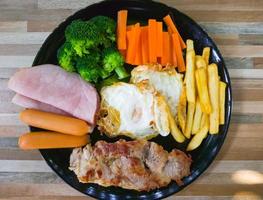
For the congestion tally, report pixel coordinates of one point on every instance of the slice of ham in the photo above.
(52, 85)
(27, 102)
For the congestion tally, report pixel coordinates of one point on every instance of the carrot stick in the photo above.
(169, 22)
(170, 30)
(170, 53)
(174, 56)
(166, 49)
(130, 54)
(159, 39)
(179, 54)
(121, 29)
(152, 40)
(55, 122)
(50, 140)
(144, 45)
(123, 53)
(138, 55)
(129, 27)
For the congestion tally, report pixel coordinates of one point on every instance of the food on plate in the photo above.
(206, 55)
(54, 122)
(169, 22)
(182, 110)
(178, 52)
(133, 110)
(222, 97)
(200, 135)
(189, 45)
(27, 102)
(90, 49)
(213, 86)
(52, 85)
(169, 84)
(152, 35)
(189, 119)
(139, 165)
(165, 80)
(200, 62)
(121, 29)
(50, 140)
(197, 117)
(190, 76)
(150, 44)
(202, 88)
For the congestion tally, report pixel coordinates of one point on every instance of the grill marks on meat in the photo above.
(140, 165)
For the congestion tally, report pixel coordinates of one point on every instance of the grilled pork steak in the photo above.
(140, 165)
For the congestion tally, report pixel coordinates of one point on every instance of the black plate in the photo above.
(58, 159)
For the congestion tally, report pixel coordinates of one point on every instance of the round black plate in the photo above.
(58, 159)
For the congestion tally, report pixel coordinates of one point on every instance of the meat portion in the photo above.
(140, 165)
(52, 85)
(26, 102)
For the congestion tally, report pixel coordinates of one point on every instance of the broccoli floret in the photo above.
(66, 57)
(107, 28)
(82, 36)
(89, 67)
(113, 60)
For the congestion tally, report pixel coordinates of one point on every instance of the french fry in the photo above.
(176, 133)
(206, 55)
(199, 136)
(182, 110)
(222, 96)
(203, 118)
(189, 45)
(213, 85)
(201, 82)
(189, 119)
(190, 76)
(200, 62)
(197, 117)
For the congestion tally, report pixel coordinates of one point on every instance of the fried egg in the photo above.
(165, 80)
(134, 110)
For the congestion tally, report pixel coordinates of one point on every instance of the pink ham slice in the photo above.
(52, 85)
(26, 102)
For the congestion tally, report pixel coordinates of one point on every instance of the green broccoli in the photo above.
(82, 36)
(106, 28)
(66, 57)
(89, 67)
(113, 61)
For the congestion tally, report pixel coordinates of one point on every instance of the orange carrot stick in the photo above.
(152, 40)
(144, 45)
(130, 54)
(179, 54)
(138, 55)
(159, 39)
(170, 53)
(169, 22)
(165, 56)
(129, 27)
(123, 53)
(173, 52)
(121, 29)
(133, 39)
(174, 55)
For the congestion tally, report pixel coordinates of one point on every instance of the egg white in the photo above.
(140, 113)
(167, 82)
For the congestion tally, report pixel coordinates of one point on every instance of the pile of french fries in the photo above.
(205, 96)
